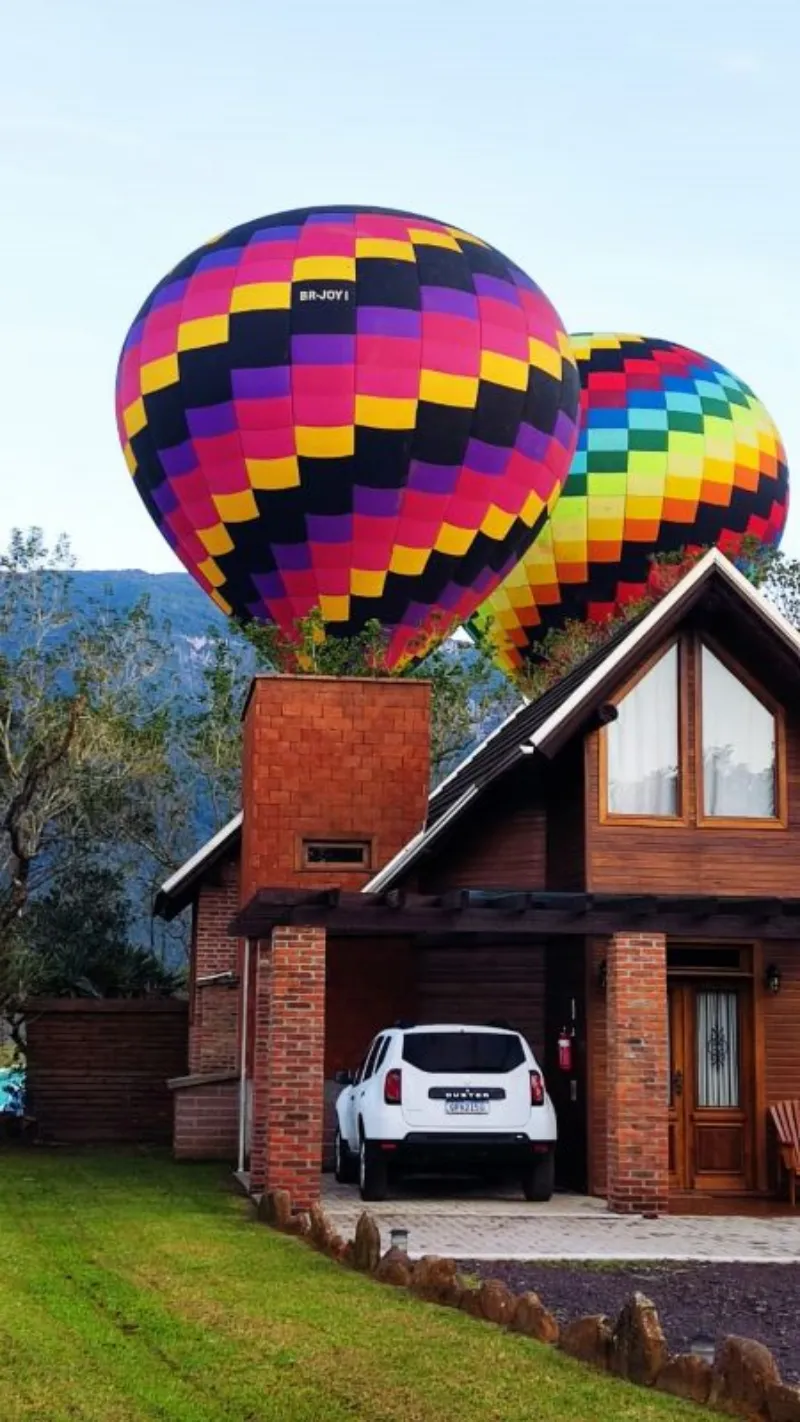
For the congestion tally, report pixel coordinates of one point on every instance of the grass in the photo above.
(132, 1288)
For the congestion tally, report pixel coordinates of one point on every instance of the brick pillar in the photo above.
(286, 1151)
(636, 1025)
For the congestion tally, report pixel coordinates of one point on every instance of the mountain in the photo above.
(173, 597)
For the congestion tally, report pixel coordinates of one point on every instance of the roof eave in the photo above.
(178, 891)
(561, 725)
(418, 846)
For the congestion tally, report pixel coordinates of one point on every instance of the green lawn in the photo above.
(133, 1288)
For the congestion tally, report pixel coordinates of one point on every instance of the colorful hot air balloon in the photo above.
(348, 408)
(673, 452)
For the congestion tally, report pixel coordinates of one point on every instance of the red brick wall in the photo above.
(326, 757)
(637, 1057)
(207, 1121)
(98, 1071)
(286, 1151)
(214, 1011)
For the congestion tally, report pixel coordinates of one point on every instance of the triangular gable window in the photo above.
(739, 737)
(643, 745)
(692, 697)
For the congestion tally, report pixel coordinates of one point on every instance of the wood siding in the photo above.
(565, 1007)
(781, 1016)
(370, 984)
(499, 844)
(687, 858)
(481, 982)
(566, 857)
(596, 1068)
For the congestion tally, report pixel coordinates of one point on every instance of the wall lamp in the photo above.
(602, 976)
(772, 978)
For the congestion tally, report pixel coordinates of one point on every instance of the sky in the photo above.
(639, 158)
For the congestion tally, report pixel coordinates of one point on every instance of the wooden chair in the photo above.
(786, 1117)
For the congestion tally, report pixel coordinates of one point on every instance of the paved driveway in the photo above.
(470, 1225)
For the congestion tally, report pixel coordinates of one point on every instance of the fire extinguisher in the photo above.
(565, 1050)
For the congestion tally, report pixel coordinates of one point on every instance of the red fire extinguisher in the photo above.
(565, 1051)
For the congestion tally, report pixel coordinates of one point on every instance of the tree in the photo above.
(75, 941)
(80, 737)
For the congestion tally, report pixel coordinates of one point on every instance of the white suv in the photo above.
(445, 1097)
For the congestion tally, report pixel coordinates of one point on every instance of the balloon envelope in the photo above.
(352, 409)
(673, 452)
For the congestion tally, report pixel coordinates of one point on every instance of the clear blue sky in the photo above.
(640, 158)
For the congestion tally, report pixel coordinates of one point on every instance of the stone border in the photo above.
(743, 1379)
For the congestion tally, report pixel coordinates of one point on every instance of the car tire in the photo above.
(345, 1165)
(373, 1176)
(539, 1178)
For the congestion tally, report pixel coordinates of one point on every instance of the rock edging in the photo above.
(744, 1379)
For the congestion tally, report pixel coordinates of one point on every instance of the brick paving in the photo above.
(470, 1225)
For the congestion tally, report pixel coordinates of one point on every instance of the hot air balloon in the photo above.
(674, 452)
(351, 409)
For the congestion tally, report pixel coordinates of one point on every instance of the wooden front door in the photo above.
(711, 1086)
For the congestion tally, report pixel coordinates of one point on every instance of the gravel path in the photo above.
(760, 1301)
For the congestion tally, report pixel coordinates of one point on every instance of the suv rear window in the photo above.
(453, 1052)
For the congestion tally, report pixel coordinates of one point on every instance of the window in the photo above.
(642, 745)
(381, 1057)
(369, 1064)
(738, 747)
(692, 696)
(460, 1052)
(336, 854)
(717, 1049)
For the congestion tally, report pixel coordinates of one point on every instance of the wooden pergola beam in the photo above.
(528, 914)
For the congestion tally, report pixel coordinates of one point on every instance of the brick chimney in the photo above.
(331, 760)
(336, 767)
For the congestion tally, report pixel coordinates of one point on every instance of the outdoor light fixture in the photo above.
(772, 978)
(602, 976)
(703, 1346)
(398, 1239)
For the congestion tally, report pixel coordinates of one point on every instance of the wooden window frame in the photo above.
(681, 819)
(778, 821)
(364, 842)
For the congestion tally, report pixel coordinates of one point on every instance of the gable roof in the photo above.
(545, 724)
(178, 891)
(539, 726)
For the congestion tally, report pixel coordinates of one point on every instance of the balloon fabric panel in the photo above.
(360, 410)
(674, 451)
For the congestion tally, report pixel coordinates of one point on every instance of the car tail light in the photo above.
(393, 1087)
(537, 1089)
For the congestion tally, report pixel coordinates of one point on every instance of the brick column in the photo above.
(636, 1025)
(286, 1150)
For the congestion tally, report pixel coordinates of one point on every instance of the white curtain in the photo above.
(717, 1049)
(643, 745)
(738, 747)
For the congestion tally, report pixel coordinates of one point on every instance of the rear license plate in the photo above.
(466, 1108)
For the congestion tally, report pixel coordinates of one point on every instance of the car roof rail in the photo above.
(501, 1023)
(402, 1024)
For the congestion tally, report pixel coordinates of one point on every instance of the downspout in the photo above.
(243, 1061)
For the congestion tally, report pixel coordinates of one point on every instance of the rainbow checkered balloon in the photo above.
(351, 409)
(674, 451)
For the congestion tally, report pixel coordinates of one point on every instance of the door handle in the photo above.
(677, 1083)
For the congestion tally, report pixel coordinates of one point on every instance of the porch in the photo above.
(329, 969)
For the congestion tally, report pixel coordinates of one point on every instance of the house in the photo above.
(618, 864)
